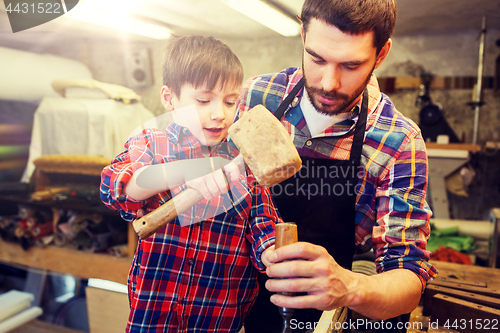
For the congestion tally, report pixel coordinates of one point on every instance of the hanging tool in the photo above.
(477, 103)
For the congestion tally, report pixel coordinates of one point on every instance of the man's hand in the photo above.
(316, 273)
(309, 268)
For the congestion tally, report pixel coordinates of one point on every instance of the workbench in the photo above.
(39, 326)
(78, 263)
(490, 276)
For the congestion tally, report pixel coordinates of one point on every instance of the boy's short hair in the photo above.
(354, 17)
(200, 60)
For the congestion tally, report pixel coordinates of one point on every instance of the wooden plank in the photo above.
(496, 213)
(439, 82)
(431, 290)
(464, 316)
(107, 310)
(331, 321)
(78, 263)
(495, 248)
(492, 145)
(454, 146)
(487, 274)
(492, 292)
(408, 82)
(39, 326)
(464, 282)
(447, 153)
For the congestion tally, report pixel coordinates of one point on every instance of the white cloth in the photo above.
(97, 127)
(27, 76)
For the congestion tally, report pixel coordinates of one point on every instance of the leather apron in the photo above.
(320, 199)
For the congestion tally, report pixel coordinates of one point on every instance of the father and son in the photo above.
(209, 276)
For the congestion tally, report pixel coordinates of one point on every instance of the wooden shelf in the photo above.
(79, 205)
(39, 326)
(454, 146)
(68, 261)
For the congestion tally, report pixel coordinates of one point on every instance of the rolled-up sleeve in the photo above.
(402, 229)
(150, 147)
(263, 217)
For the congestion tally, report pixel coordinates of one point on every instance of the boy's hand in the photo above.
(233, 171)
(216, 183)
(211, 185)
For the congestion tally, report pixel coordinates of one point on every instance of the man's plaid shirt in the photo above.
(392, 216)
(197, 278)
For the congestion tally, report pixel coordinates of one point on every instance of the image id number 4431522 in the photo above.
(40, 8)
(476, 324)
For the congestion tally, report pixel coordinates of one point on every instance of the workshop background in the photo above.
(58, 242)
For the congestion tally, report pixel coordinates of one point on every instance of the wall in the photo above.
(439, 54)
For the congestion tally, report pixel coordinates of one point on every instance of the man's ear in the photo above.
(383, 53)
(303, 34)
(166, 98)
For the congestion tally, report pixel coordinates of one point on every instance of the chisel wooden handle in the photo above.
(285, 234)
(150, 223)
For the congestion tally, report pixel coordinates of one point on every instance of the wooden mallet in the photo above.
(265, 147)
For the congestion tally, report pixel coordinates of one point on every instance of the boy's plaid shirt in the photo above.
(197, 278)
(392, 216)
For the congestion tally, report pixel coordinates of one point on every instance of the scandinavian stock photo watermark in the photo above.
(326, 181)
(311, 180)
(362, 325)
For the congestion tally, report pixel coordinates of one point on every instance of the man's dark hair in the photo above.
(354, 16)
(200, 60)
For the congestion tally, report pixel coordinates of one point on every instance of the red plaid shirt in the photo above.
(197, 278)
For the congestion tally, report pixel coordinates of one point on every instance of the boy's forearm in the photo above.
(150, 180)
(136, 192)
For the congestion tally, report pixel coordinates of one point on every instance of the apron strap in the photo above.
(359, 131)
(288, 99)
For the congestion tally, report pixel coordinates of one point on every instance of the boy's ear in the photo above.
(166, 98)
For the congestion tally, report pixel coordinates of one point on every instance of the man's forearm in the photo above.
(329, 286)
(386, 295)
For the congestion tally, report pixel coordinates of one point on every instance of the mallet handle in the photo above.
(150, 223)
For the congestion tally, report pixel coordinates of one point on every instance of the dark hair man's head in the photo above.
(354, 16)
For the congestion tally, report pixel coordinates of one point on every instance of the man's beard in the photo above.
(344, 102)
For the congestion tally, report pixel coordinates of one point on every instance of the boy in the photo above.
(200, 277)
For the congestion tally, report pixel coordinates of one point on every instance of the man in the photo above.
(364, 175)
